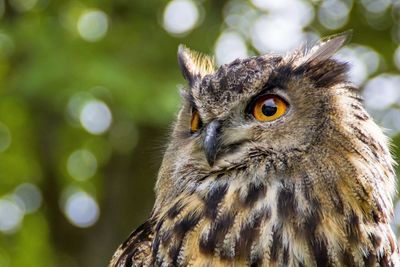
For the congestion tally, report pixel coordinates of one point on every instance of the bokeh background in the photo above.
(88, 90)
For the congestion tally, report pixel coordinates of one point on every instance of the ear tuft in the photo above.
(194, 65)
(327, 47)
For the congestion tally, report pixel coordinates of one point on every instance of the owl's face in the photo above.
(269, 102)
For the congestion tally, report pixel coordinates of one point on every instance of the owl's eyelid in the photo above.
(264, 92)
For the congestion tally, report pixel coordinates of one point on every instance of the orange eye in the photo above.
(269, 108)
(195, 123)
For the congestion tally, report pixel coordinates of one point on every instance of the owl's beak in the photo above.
(211, 141)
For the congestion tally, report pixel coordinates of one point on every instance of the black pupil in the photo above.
(269, 107)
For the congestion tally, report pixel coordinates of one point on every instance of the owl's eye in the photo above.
(268, 108)
(195, 123)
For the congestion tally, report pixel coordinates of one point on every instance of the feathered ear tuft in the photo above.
(327, 47)
(194, 65)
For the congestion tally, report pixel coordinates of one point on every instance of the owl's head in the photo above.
(269, 113)
(272, 102)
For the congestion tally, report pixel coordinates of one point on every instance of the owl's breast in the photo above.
(280, 223)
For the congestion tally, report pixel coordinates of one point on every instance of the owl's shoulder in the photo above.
(136, 250)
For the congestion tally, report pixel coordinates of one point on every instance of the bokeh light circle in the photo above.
(11, 216)
(82, 164)
(95, 117)
(30, 195)
(230, 46)
(92, 25)
(296, 11)
(391, 122)
(333, 14)
(81, 209)
(363, 62)
(382, 91)
(180, 16)
(276, 34)
(376, 6)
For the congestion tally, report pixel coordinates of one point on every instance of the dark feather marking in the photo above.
(280, 76)
(384, 261)
(217, 233)
(165, 236)
(175, 210)
(361, 116)
(256, 261)
(317, 245)
(375, 240)
(254, 193)
(181, 228)
(132, 245)
(155, 246)
(324, 73)
(276, 245)
(129, 259)
(256, 264)
(320, 252)
(214, 197)
(140, 232)
(367, 140)
(356, 97)
(348, 259)
(353, 228)
(377, 217)
(187, 223)
(285, 256)
(173, 252)
(337, 200)
(286, 203)
(248, 233)
(356, 107)
(157, 239)
(369, 260)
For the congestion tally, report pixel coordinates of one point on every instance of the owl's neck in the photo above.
(261, 217)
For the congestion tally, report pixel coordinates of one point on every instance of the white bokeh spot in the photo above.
(96, 117)
(333, 14)
(272, 33)
(11, 216)
(230, 46)
(180, 16)
(93, 25)
(363, 62)
(381, 92)
(81, 209)
(297, 11)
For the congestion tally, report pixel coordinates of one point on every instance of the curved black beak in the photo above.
(211, 141)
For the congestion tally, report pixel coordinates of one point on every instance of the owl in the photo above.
(273, 161)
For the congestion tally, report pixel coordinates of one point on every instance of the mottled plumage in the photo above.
(311, 188)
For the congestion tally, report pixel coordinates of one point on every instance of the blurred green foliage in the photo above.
(49, 70)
